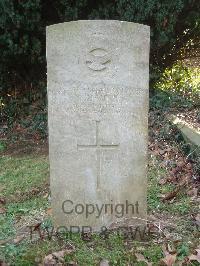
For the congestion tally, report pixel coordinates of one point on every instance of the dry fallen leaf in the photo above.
(35, 190)
(59, 255)
(197, 220)
(171, 194)
(2, 200)
(140, 257)
(193, 192)
(169, 260)
(104, 263)
(37, 226)
(180, 162)
(2, 210)
(18, 239)
(49, 211)
(46, 195)
(49, 260)
(2, 263)
(56, 257)
(162, 181)
(162, 151)
(195, 257)
(71, 263)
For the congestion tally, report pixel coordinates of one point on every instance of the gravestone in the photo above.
(98, 75)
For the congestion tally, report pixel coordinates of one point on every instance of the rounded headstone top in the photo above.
(99, 23)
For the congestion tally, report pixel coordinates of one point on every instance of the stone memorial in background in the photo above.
(98, 75)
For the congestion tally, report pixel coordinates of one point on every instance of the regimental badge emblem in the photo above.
(98, 59)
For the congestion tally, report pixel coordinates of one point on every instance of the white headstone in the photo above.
(98, 75)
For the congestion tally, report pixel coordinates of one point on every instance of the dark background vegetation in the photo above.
(175, 28)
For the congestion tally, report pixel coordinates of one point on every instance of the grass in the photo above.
(19, 176)
(112, 249)
(85, 254)
(177, 87)
(29, 254)
(18, 179)
(6, 227)
(180, 206)
(22, 174)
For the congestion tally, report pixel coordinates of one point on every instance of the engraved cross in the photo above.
(99, 151)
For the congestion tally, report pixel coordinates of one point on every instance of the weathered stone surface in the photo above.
(191, 134)
(98, 74)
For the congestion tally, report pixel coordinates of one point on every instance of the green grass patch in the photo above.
(6, 227)
(18, 175)
(27, 207)
(28, 253)
(153, 253)
(180, 205)
(111, 249)
(85, 253)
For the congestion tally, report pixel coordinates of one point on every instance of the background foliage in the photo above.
(178, 86)
(175, 28)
